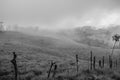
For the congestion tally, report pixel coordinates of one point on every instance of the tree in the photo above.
(116, 38)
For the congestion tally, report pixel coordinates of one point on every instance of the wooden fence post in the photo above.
(100, 64)
(77, 63)
(91, 60)
(55, 69)
(0, 66)
(110, 62)
(52, 63)
(116, 63)
(103, 61)
(94, 62)
(13, 61)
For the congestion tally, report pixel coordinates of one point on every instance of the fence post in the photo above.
(100, 64)
(110, 62)
(77, 63)
(103, 61)
(91, 60)
(94, 61)
(55, 69)
(52, 63)
(0, 66)
(116, 63)
(13, 61)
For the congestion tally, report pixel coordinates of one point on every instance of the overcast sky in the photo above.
(60, 13)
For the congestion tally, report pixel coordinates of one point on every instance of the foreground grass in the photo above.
(98, 74)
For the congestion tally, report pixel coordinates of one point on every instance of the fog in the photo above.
(60, 14)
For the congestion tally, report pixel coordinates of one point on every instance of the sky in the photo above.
(59, 14)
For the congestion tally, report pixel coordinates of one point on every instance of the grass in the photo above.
(35, 67)
(98, 74)
(34, 62)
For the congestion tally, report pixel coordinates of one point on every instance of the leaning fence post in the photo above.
(77, 63)
(55, 69)
(13, 61)
(94, 61)
(91, 60)
(50, 69)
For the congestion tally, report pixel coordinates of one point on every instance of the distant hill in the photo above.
(87, 35)
(55, 45)
(62, 43)
(47, 45)
(93, 37)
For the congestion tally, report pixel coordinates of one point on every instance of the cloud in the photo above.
(58, 13)
(110, 19)
(95, 19)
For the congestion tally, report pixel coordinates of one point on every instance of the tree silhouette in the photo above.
(116, 38)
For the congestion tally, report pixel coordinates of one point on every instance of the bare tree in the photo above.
(116, 38)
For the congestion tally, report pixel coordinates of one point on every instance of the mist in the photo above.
(60, 14)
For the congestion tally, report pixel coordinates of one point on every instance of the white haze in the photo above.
(60, 14)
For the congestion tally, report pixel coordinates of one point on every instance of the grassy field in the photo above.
(35, 53)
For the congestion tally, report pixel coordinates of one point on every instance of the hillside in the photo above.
(90, 36)
(35, 52)
(54, 45)
(16, 41)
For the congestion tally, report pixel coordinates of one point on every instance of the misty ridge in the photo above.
(87, 35)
